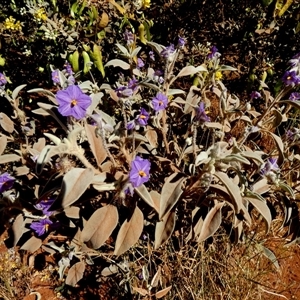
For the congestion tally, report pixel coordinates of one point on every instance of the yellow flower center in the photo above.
(73, 103)
(289, 78)
(218, 75)
(142, 117)
(46, 227)
(146, 3)
(142, 173)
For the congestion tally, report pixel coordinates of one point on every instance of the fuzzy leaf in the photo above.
(6, 123)
(141, 291)
(262, 208)
(255, 155)
(192, 99)
(172, 92)
(123, 50)
(135, 52)
(95, 144)
(156, 199)
(75, 183)
(287, 189)
(46, 154)
(53, 138)
(226, 68)
(156, 278)
(100, 226)
(233, 190)
(295, 104)
(261, 186)
(163, 292)
(280, 148)
(151, 135)
(23, 170)
(191, 70)
(72, 212)
(32, 245)
(269, 254)
(3, 143)
(211, 222)
(112, 269)
(6, 158)
(130, 232)
(52, 111)
(18, 228)
(170, 194)
(236, 157)
(75, 273)
(144, 194)
(17, 90)
(118, 63)
(158, 48)
(164, 229)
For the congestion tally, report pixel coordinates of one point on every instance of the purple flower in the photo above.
(167, 52)
(291, 78)
(295, 60)
(201, 115)
(270, 165)
(3, 80)
(128, 37)
(213, 53)
(139, 172)
(73, 102)
(55, 76)
(157, 76)
(44, 206)
(290, 135)
(41, 227)
(255, 95)
(133, 84)
(140, 63)
(181, 42)
(294, 96)
(143, 117)
(160, 102)
(124, 92)
(130, 125)
(127, 91)
(6, 182)
(151, 55)
(68, 68)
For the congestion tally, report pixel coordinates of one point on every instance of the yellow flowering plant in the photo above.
(11, 24)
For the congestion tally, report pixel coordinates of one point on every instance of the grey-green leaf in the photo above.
(170, 193)
(100, 226)
(75, 183)
(129, 232)
(75, 273)
(262, 208)
(164, 229)
(211, 222)
(233, 190)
